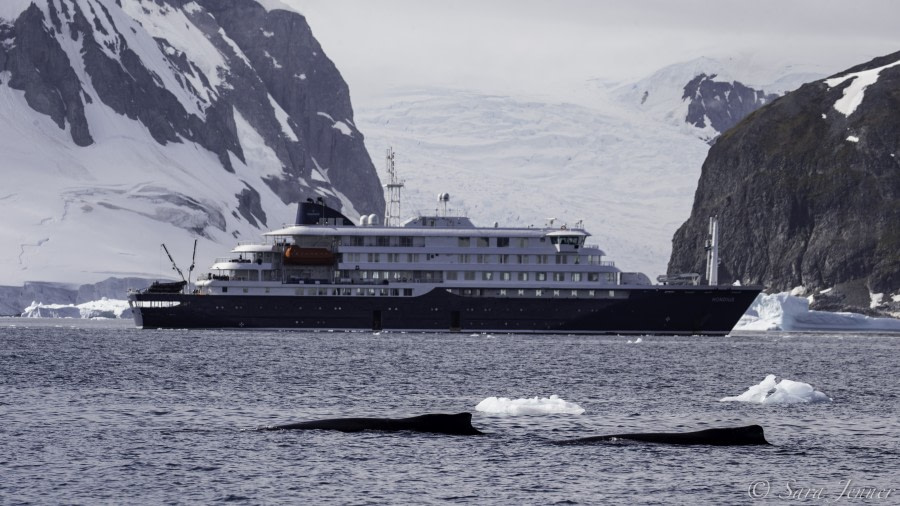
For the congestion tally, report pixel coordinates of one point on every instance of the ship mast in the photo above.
(712, 252)
(392, 213)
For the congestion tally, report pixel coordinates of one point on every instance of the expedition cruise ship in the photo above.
(435, 273)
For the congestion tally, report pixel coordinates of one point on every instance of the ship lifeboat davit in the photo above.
(295, 255)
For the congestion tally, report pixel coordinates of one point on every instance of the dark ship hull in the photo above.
(669, 310)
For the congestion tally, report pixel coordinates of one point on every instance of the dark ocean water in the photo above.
(101, 413)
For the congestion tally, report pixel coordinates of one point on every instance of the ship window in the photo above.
(464, 242)
(382, 240)
(484, 242)
(383, 292)
(521, 292)
(540, 276)
(503, 293)
(538, 293)
(487, 276)
(371, 291)
(574, 293)
(523, 259)
(451, 275)
(224, 289)
(406, 242)
(611, 277)
(612, 293)
(559, 276)
(360, 291)
(395, 292)
(482, 258)
(591, 293)
(464, 259)
(541, 259)
(593, 276)
(576, 276)
(505, 276)
(246, 290)
(467, 291)
(504, 259)
(407, 292)
(556, 293)
(562, 259)
(523, 242)
(374, 257)
(503, 242)
(523, 276)
(469, 275)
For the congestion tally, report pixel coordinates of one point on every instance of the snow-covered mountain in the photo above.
(128, 123)
(628, 167)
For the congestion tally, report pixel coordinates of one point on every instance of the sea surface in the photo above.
(97, 412)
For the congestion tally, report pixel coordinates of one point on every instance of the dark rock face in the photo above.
(805, 194)
(721, 103)
(272, 61)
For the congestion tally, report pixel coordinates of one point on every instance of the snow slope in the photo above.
(231, 156)
(592, 152)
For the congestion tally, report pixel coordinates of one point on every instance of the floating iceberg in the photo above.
(534, 406)
(769, 391)
(103, 308)
(786, 311)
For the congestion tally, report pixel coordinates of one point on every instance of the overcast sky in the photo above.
(530, 45)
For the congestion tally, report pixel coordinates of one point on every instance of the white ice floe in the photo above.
(636, 341)
(103, 308)
(784, 311)
(533, 406)
(770, 391)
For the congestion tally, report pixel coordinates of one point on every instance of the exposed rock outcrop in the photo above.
(807, 188)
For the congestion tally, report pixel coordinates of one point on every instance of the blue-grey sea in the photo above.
(97, 412)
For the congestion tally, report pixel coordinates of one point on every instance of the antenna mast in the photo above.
(392, 214)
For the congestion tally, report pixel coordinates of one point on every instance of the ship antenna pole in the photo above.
(174, 265)
(712, 253)
(392, 213)
(193, 263)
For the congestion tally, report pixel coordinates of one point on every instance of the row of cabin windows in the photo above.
(358, 292)
(575, 277)
(531, 293)
(434, 276)
(500, 242)
(465, 258)
(384, 241)
(409, 242)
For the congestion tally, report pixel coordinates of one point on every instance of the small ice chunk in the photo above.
(533, 406)
(770, 391)
(852, 138)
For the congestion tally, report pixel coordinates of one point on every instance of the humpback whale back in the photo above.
(438, 423)
(729, 436)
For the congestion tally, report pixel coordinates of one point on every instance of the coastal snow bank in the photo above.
(103, 308)
(533, 406)
(784, 311)
(770, 391)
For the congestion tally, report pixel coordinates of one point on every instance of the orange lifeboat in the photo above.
(295, 255)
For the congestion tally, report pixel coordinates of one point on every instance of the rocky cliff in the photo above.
(807, 188)
(130, 122)
(720, 104)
